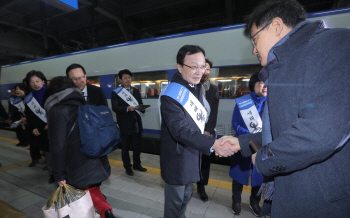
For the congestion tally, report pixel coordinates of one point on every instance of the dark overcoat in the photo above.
(181, 141)
(309, 107)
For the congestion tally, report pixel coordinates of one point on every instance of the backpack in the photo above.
(99, 134)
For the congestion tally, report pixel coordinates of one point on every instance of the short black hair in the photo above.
(74, 66)
(187, 50)
(35, 73)
(23, 87)
(122, 72)
(290, 11)
(209, 62)
(253, 79)
(59, 83)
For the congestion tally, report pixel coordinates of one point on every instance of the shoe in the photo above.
(51, 180)
(202, 194)
(32, 164)
(129, 172)
(255, 208)
(45, 168)
(19, 144)
(236, 208)
(139, 168)
(109, 214)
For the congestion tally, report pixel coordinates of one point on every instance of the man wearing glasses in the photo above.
(183, 118)
(306, 128)
(93, 94)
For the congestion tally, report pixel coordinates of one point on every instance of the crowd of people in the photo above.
(301, 169)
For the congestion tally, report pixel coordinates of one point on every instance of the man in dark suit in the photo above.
(93, 94)
(211, 94)
(129, 122)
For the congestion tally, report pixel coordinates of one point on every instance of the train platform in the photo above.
(24, 190)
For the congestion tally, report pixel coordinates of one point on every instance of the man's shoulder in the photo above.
(92, 87)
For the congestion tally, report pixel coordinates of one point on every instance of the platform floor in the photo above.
(24, 190)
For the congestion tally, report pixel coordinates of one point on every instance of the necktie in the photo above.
(85, 97)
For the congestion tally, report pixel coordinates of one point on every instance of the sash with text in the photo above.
(127, 97)
(34, 105)
(191, 104)
(249, 113)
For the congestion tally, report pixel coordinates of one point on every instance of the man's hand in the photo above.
(223, 149)
(46, 127)
(232, 140)
(206, 133)
(131, 108)
(36, 132)
(24, 120)
(253, 158)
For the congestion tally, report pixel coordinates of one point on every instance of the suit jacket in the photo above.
(212, 96)
(308, 102)
(126, 119)
(96, 96)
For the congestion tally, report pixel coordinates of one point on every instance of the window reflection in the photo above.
(93, 80)
(149, 84)
(233, 82)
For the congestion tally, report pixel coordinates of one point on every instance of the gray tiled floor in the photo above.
(141, 196)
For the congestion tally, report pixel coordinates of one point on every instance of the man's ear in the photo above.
(278, 25)
(179, 68)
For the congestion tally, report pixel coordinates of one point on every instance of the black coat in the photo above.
(68, 163)
(126, 119)
(96, 96)
(212, 96)
(181, 140)
(309, 106)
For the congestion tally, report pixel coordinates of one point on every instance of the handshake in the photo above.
(226, 146)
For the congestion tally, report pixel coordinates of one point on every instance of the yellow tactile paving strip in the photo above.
(7, 211)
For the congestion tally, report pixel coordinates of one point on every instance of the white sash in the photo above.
(127, 97)
(19, 104)
(191, 104)
(249, 113)
(11, 100)
(207, 108)
(34, 105)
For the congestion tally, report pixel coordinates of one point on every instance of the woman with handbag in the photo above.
(70, 165)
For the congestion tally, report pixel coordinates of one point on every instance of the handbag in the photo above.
(69, 202)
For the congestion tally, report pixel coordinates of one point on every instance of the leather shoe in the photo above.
(129, 172)
(109, 214)
(51, 180)
(236, 208)
(255, 208)
(202, 195)
(139, 168)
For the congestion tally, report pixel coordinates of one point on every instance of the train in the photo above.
(153, 63)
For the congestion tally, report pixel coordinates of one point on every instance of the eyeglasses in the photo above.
(80, 78)
(202, 68)
(252, 37)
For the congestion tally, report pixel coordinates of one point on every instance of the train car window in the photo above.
(233, 82)
(149, 84)
(93, 80)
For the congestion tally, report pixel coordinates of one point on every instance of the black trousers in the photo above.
(134, 141)
(237, 192)
(22, 135)
(205, 169)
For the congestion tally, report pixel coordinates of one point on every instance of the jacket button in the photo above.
(272, 169)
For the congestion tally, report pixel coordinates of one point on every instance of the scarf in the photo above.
(39, 94)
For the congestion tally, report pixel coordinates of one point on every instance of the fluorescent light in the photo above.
(245, 79)
(147, 84)
(135, 84)
(224, 80)
(164, 82)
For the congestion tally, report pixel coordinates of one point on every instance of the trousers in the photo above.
(176, 200)
(237, 192)
(134, 140)
(99, 201)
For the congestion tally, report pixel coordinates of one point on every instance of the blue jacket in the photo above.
(240, 166)
(309, 107)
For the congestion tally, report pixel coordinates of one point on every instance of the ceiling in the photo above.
(31, 29)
